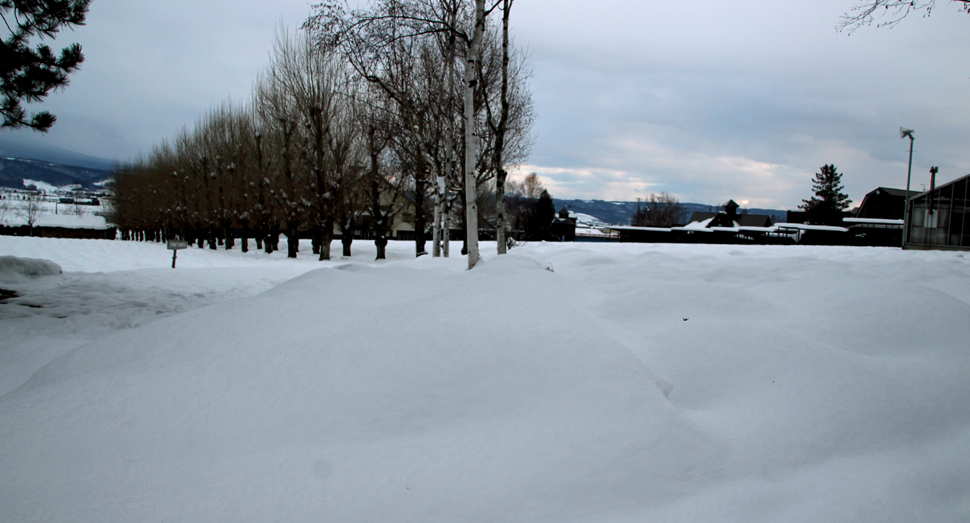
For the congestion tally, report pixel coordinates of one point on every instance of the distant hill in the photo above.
(15, 144)
(13, 172)
(620, 213)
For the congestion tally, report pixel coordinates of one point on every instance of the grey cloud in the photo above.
(708, 100)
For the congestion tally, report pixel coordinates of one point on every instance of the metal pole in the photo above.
(909, 172)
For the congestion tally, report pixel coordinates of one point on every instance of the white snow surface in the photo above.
(56, 215)
(71, 221)
(14, 269)
(48, 188)
(559, 383)
(587, 220)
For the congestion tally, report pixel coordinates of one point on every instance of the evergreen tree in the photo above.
(540, 222)
(29, 75)
(829, 202)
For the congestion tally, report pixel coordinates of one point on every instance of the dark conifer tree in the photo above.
(829, 202)
(542, 216)
(30, 74)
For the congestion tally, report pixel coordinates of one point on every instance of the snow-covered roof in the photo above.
(70, 221)
(807, 227)
(634, 228)
(697, 225)
(592, 231)
(873, 221)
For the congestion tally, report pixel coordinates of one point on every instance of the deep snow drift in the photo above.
(563, 382)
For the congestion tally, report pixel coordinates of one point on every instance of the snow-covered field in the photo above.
(51, 214)
(560, 383)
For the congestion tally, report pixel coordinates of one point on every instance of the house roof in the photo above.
(701, 216)
(901, 193)
(753, 220)
(940, 187)
(743, 220)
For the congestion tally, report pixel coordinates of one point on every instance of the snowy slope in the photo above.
(563, 382)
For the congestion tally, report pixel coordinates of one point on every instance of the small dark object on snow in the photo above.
(6, 295)
(685, 319)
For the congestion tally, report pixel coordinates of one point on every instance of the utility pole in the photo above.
(903, 133)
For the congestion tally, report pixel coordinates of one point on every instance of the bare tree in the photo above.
(531, 186)
(278, 123)
(31, 208)
(372, 41)
(387, 46)
(659, 210)
(5, 209)
(892, 11)
(306, 156)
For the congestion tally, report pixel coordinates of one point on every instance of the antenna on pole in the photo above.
(907, 133)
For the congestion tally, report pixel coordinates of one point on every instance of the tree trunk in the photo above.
(381, 243)
(275, 237)
(326, 237)
(464, 228)
(471, 142)
(446, 236)
(420, 222)
(269, 244)
(436, 227)
(346, 240)
(292, 241)
(500, 211)
(500, 174)
(378, 215)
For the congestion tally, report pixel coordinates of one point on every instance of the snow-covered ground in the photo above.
(587, 220)
(562, 382)
(52, 214)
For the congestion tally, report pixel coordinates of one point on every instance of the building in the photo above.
(939, 219)
(729, 217)
(87, 227)
(726, 226)
(884, 203)
(563, 226)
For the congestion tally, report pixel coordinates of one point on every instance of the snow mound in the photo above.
(796, 384)
(425, 403)
(13, 268)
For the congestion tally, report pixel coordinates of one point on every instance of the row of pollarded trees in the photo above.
(357, 116)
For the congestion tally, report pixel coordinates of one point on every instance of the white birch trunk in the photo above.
(436, 231)
(439, 205)
(471, 142)
(446, 236)
(449, 174)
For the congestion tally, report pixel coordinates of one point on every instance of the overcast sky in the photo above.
(707, 100)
